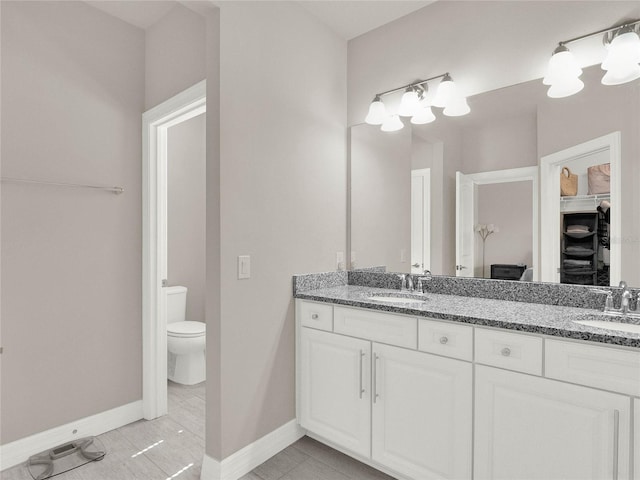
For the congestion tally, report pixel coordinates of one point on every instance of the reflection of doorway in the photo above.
(420, 220)
(467, 214)
(550, 234)
(156, 123)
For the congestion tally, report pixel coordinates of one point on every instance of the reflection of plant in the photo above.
(484, 231)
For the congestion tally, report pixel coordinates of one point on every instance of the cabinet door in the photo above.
(421, 413)
(534, 428)
(335, 398)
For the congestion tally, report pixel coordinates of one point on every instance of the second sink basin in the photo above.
(398, 299)
(611, 325)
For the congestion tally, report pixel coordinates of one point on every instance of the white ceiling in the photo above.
(348, 18)
(139, 13)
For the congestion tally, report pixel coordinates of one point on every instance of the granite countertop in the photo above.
(526, 317)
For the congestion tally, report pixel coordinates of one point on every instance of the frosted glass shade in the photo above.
(457, 107)
(565, 88)
(410, 104)
(562, 68)
(377, 113)
(622, 59)
(424, 115)
(618, 77)
(445, 93)
(392, 124)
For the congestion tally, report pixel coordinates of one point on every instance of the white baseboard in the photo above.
(243, 461)
(19, 451)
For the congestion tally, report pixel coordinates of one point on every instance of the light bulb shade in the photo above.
(377, 113)
(562, 67)
(445, 93)
(620, 76)
(565, 89)
(457, 107)
(424, 115)
(623, 56)
(623, 50)
(392, 124)
(410, 104)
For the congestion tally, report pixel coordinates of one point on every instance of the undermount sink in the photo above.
(398, 299)
(611, 325)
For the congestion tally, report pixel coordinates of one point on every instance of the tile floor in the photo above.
(172, 447)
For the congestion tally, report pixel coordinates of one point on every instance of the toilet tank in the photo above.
(176, 303)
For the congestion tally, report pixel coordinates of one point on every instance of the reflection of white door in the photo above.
(420, 220)
(466, 212)
(550, 234)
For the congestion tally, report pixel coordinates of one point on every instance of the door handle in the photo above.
(361, 389)
(375, 377)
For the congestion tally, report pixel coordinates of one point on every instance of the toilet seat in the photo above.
(186, 329)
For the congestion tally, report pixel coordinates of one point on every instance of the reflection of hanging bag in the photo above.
(599, 178)
(568, 183)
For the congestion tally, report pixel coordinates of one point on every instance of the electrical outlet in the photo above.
(340, 260)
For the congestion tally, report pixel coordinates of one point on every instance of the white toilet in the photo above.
(185, 341)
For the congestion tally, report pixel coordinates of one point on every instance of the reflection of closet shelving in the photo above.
(579, 249)
(580, 203)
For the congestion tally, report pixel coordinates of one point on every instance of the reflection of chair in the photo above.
(527, 275)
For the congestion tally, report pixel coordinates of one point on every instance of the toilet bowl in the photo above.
(185, 341)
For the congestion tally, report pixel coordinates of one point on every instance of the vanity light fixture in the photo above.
(415, 105)
(622, 62)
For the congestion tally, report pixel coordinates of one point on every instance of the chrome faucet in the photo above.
(626, 296)
(422, 280)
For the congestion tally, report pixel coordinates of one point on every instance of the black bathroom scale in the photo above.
(65, 457)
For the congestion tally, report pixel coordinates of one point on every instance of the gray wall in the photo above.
(175, 54)
(72, 96)
(381, 197)
(283, 190)
(186, 212)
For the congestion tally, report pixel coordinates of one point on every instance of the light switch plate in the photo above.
(244, 266)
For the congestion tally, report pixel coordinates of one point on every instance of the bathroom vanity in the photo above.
(455, 387)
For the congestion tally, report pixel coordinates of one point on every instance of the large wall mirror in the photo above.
(400, 180)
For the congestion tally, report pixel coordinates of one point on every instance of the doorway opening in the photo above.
(606, 149)
(156, 124)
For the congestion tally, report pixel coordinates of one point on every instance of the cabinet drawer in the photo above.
(444, 338)
(379, 327)
(316, 315)
(601, 367)
(513, 351)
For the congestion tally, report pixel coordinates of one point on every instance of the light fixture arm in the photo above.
(417, 83)
(600, 32)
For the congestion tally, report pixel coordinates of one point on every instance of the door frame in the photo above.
(155, 124)
(522, 174)
(425, 175)
(550, 168)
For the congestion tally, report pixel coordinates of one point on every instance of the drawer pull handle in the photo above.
(444, 340)
(616, 446)
(361, 387)
(375, 377)
(314, 316)
(506, 351)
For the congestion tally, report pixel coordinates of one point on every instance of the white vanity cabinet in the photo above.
(396, 407)
(529, 427)
(335, 396)
(415, 396)
(421, 413)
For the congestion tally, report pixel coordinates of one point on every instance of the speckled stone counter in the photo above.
(538, 318)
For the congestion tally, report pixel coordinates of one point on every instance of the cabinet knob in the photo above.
(444, 340)
(506, 351)
(314, 316)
